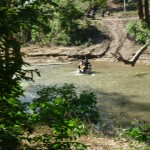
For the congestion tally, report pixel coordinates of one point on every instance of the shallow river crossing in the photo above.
(122, 91)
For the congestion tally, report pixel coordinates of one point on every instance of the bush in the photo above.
(64, 112)
(14, 121)
(65, 27)
(140, 132)
(62, 109)
(139, 32)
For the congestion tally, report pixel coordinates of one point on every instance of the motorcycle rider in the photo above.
(84, 65)
(81, 66)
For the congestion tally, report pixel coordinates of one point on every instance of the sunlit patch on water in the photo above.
(92, 74)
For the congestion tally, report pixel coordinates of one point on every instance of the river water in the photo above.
(123, 92)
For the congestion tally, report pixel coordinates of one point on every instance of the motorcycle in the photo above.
(84, 70)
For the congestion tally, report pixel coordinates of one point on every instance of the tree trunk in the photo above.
(140, 9)
(146, 6)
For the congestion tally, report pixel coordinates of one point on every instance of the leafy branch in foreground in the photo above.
(65, 113)
(139, 131)
(14, 120)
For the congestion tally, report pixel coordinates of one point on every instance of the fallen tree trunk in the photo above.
(134, 58)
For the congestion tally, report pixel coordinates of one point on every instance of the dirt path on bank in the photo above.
(113, 26)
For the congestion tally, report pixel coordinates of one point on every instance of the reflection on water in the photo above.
(122, 90)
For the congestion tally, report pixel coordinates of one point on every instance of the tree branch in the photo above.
(134, 58)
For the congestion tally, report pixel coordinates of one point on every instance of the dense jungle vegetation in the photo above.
(65, 114)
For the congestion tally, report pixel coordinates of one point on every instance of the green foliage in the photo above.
(8, 140)
(139, 31)
(64, 112)
(14, 19)
(57, 107)
(96, 3)
(64, 25)
(101, 3)
(140, 132)
(59, 22)
(14, 121)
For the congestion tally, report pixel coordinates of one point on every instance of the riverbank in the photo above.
(113, 39)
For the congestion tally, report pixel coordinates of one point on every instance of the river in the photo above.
(123, 92)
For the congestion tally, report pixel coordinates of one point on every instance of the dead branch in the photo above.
(134, 58)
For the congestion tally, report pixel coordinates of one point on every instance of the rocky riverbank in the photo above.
(116, 40)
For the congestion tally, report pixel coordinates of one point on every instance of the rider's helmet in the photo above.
(86, 60)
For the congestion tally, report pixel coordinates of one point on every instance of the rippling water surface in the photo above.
(123, 91)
